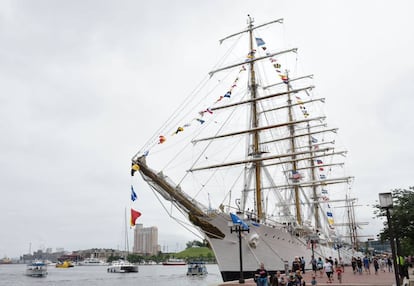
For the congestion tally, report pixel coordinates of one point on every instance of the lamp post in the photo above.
(338, 246)
(386, 203)
(313, 239)
(239, 229)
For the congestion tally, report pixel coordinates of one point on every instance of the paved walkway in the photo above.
(348, 279)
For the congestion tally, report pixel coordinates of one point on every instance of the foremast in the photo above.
(255, 124)
(255, 152)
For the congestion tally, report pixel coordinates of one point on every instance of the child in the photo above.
(313, 281)
(339, 274)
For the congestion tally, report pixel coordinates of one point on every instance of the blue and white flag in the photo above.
(237, 220)
(133, 194)
(260, 42)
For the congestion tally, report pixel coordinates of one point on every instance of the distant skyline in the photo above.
(164, 248)
(83, 84)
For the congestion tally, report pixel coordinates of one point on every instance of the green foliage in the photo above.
(402, 219)
(196, 250)
(112, 258)
(134, 258)
(196, 243)
(196, 253)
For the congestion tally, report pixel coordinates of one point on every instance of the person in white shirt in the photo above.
(328, 270)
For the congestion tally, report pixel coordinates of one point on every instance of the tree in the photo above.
(402, 219)
(196, 243)
(135, 258)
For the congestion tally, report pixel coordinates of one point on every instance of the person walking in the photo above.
(389, 263)
(296, 265)
(359, 265)
(382, 263)
(314, 265)
(339, 272)
(354, 264)
(328, 270)
(302, 264)
(320, 266)
(366, 265)
(376, 265)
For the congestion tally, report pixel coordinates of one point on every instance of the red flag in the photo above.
(161, 139)
(134, 215)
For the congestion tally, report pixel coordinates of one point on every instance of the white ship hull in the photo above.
(274, 246)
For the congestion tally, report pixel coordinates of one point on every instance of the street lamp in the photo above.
(338, 246)
(386, 203)
(313, 239)
(239, 226)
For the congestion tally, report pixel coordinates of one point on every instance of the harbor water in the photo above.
(13, 274)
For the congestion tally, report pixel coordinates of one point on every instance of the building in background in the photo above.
(146, 240)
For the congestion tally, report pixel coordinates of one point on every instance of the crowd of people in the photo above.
(294, 275)
(381, 264)
(331, 268)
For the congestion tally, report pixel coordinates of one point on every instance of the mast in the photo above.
(126, 234)
(352, 224)
(255, 124)
(293, 148)
(314, 190)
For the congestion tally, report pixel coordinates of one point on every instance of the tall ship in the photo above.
(252, 142)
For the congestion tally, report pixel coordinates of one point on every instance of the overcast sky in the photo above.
(83, 84)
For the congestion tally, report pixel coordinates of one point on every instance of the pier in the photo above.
(348, 279)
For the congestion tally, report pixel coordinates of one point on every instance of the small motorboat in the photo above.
(64, 264)
(197, 268)
(36, 269)
(122, 266)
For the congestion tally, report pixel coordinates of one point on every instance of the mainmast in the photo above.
(255, 123)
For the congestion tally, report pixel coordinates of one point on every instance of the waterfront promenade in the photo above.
(348, 279)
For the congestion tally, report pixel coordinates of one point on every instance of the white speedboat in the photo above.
(36, 269)
(122, 266)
